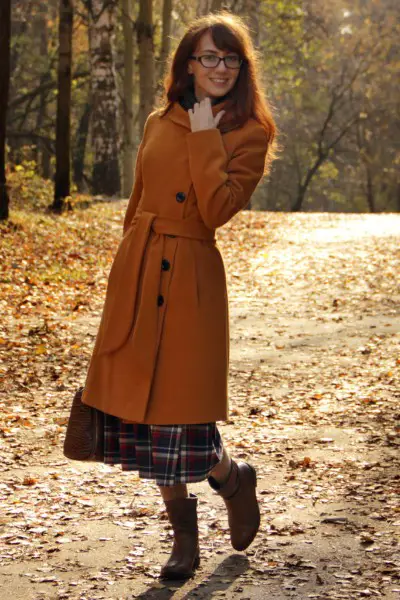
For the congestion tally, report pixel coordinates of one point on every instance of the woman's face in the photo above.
(211, 82)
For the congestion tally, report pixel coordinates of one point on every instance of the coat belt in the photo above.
(121, 300)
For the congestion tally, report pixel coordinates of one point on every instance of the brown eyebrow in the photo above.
(215, 52)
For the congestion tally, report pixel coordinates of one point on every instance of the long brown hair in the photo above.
(246, 99)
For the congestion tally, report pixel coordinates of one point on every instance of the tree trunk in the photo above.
(254, 12)
(216, 5)
(128, 134)
(42, 154)
(203, 7)
(5, 36)
(297, 206)
(19, 29)
(78, 163)
(370, 189)
(251, 11)
(106, 178)
(63, 118)
(398, 198)
(304, 185)
(166, 39)
(145, 30)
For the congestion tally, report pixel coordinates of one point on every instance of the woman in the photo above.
(159, 368)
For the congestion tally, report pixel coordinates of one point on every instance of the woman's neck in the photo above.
(189, 97)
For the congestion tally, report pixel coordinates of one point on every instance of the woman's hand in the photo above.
(201, 116)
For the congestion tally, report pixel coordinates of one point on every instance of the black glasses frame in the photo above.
(220, 58)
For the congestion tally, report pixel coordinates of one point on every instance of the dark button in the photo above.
(180, 196)
(160, 300)
(165, 264)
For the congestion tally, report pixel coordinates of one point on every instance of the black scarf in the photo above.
(188, 99)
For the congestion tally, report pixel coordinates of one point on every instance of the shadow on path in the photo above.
(220, 580)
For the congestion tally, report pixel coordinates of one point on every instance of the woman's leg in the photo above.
(222, 470)
(182, 514)
(171, 492)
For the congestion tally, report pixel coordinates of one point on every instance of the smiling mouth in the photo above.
(219, 80)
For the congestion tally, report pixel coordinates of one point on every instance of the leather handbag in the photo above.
(84, 439)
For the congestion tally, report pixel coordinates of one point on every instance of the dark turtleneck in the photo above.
(188, 99)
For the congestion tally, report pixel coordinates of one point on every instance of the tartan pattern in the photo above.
(168, 454)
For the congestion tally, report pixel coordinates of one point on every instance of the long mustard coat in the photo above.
(161, 354)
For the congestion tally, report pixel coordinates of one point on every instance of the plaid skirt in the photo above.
(168, 454)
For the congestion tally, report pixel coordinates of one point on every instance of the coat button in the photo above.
(160, 300)
(165, 264)
(180, 196)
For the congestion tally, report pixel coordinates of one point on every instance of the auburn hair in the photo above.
(247, 98)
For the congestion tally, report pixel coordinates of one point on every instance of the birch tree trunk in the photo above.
(63, 118)
(127, 117)
(5, 36)
(145, 31)
(106, 178)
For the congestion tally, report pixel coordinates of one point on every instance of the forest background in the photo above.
(314, 301)
(84, 75)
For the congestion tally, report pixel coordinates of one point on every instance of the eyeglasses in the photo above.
(210, 61)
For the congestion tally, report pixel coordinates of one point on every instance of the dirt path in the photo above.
(315, 371)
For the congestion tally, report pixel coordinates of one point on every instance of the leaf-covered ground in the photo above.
(314, 389)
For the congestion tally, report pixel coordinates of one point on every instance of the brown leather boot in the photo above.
(185, 555)
(239, 494)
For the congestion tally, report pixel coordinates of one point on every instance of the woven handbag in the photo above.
(84, 439)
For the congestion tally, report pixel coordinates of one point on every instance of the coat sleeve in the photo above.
(137, 189)
(224, 186)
